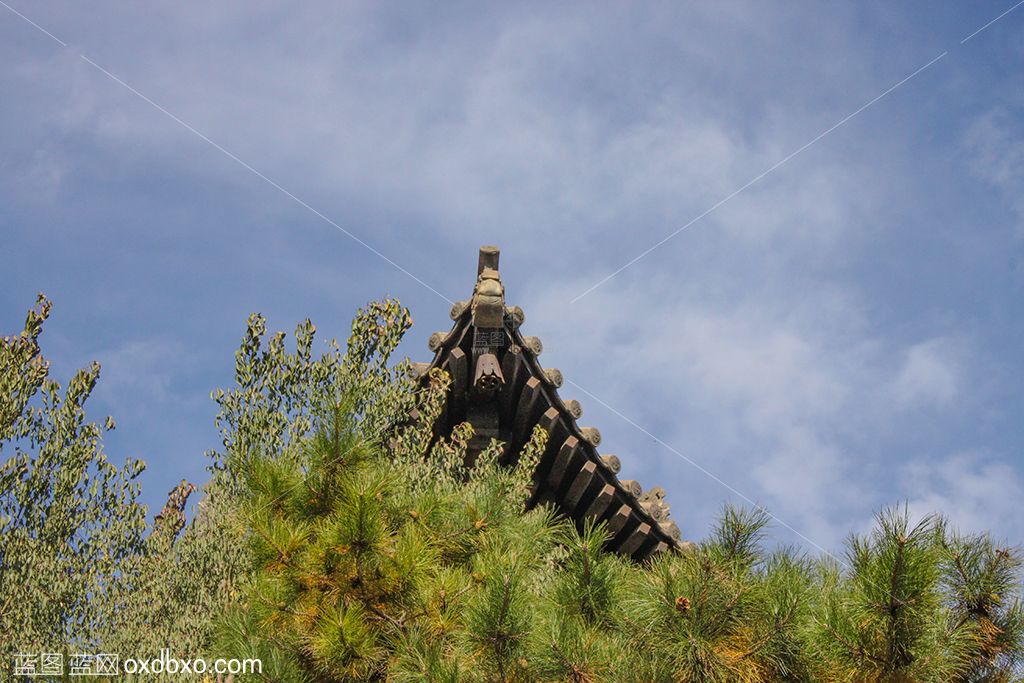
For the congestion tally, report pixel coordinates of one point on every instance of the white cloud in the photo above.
(995, 142)
(484, 126)
(975, 491)
(785, 402)
(144, 374)
(930, 374)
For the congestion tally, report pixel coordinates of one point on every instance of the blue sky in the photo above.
(843, 333)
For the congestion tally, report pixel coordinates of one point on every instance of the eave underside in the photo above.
(571, 473)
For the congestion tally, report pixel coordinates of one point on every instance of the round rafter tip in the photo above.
(436, 341)
(516, 316)
(417, 370)
(458, 308)
(591, 434)
(671, 529)
(574, 408)
(632, 486)
(612, 462)
(534, 344)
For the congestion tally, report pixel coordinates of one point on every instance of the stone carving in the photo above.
(554, 377)
(533, 343)
(489, 300)
(591, 434)
(458, 308)
(574, 408)
(437, 340)
(632, 486)
(515, 317)
(487, 376)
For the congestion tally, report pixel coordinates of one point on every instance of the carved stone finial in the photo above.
(488, 299)
(655, 508)
(653, 501)
(653, 493)
(489, 256)
(612, 462)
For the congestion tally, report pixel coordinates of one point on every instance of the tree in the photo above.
(339, 539)
(378, 552)
(920, 603)
(366, 552)
(727, 611)
(982, 589)
(68, 516)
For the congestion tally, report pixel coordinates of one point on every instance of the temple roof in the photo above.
(499, 386)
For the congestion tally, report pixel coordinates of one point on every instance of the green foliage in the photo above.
(178, 583)
(380, 552)
(68, 516)
(368, 558)
(981, 582)
(339, 540)
(919, 603)
(724, 611)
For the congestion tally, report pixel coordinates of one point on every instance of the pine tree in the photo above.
(339, 540)
(378, 553)
(983, 590)
(919, 603)
(725, 611)
(373, 548)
